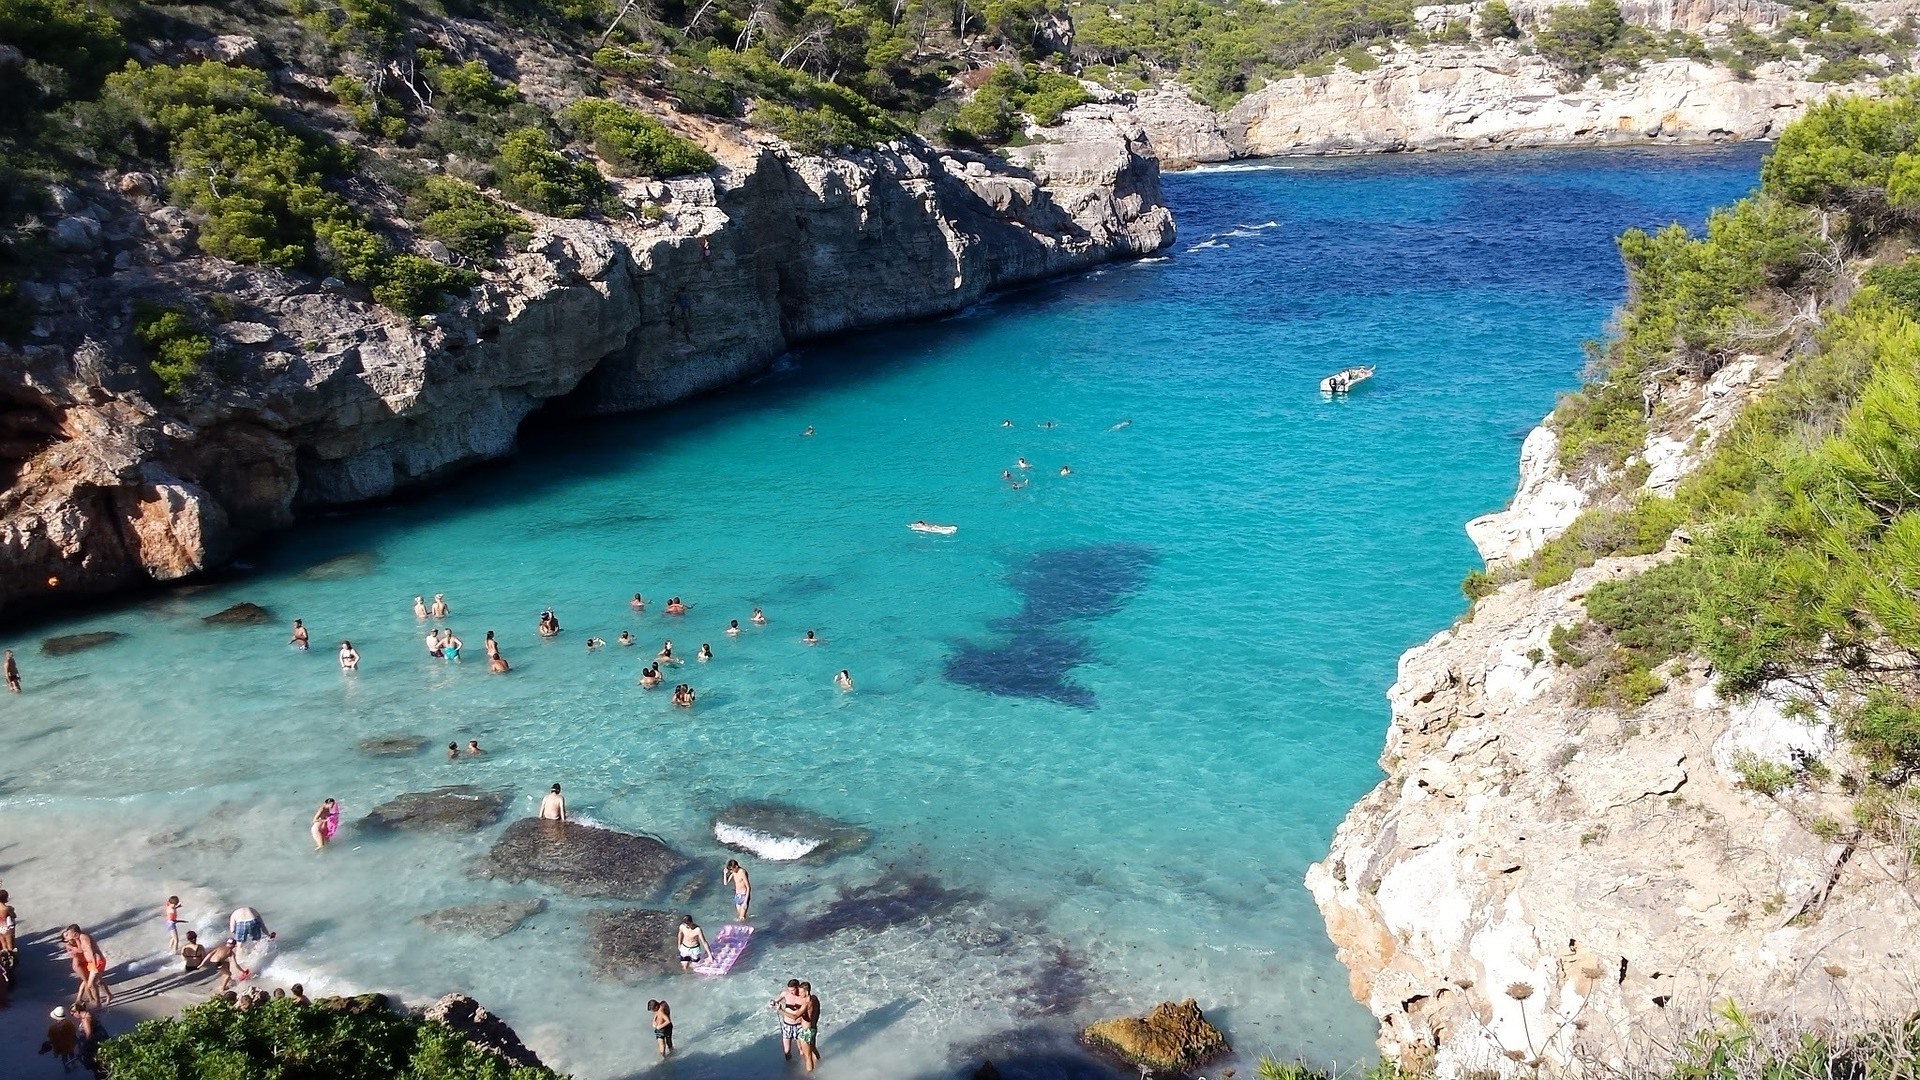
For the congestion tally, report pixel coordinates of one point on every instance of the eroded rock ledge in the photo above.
(330, 399)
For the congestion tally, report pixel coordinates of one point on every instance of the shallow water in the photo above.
(1098, 733)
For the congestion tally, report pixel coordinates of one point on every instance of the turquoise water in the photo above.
(1113, 717)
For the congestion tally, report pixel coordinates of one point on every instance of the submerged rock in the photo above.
(241, 614)
(1171, 1038)
(488, 919)
(73, 643)
(632, 943)
(893, 900)
(460, 806)
(392, 745)
(584, 860)
(780, 833)
(351, 565)
(481, 1028)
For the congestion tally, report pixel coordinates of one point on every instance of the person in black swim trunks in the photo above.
(662, 1025)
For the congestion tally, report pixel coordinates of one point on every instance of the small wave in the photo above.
(1234, 167)
(1151, 259)
(1209, 242)
(1121, 424)
(766, 845)
(583, 819)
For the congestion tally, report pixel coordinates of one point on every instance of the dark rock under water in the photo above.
(241, 614)
(1056, 587)
(350, 565)
(893, 900)
(459, 806)
(392, 745)
(486, 919)
(632, 943)
(583, 860)
(72, 643)
(742, 827)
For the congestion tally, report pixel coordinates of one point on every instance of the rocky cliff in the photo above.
(1542, 880)
(327, 398)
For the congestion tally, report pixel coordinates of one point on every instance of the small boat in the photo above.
(1346, 379)
(937, 530)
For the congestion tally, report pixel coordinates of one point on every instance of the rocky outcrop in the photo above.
(459, 807)
(1542, 508)
(330, 399)
(632, 943)
(1183, 131)
(583, 859)
(67, 644)
(487, 919)
(1472, 98)
(1173, 1038)
(481, 1028)
(781, 833)
(241, 614)
(392, 745)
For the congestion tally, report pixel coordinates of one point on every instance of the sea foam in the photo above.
(765, 845)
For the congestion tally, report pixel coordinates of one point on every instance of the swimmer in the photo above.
(12, 672)
(1007, 475)
(733, 627)
(807, 434)
(349, 660)
(625, 638)
(666, 654)
(497, 664)
(810, 639)
(1006, 423)
(735, 875)
(1121, 424)
(451, 646)
(638, 603)
(439, 609)
(326, 822)
(419, 607)
(1021, 463)
(650, 676)
(1066, 471)
(549, 624)
(299, 638)
(662, 1025)
(705, 654)
(473, 748)
(756, 617)
(594, 643)
(453, 751)
(683, 696)
(843, 680)
(692, 941)
(434, 648)
(553, 806)
(1048, 424)
(675, 607)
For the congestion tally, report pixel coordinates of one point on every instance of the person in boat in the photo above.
(299, 638)
(625, 638)
(675, 607)
(638, 603)
(733, 627)
(843, 680)
(650, 676)
(705, 654)
(920, 525)
(756, 617)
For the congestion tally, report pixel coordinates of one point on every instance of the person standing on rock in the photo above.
(12, 672)
(735, 877)
(553, 807)
(692, 941)
(299, 638)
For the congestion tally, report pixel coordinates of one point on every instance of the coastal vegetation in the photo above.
(335, 1039)
(1797, 538)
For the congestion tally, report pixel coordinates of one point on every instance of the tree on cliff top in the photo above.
(338, 1039)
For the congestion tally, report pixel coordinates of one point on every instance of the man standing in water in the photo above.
(553, 807)
(809, 1027)
(245, 925)
(791, 1008)
(735, 876)
(299, 638)
(693, 943)
(12, 672)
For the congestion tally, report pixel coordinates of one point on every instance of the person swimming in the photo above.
(1021, 463)
(650, 676)
(756, 617)
(810, 639)
(349, 660)
(1048, 424)
(1066, 470)
(450, 645)
(807, 434)
(453, 751)
(625, 638)
(733, 627)
(683, 696)
(594, 643)
(665, 655)
(497, 664)
(439, 609)
(1006, 423)
(705, 654)
(638, 603)
(473, 748)
(549, 624)
(419, 607)
(434, 648)
(843, 680)
(675, 607)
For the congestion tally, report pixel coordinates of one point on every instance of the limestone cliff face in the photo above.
(1470, 98)
(329, 399)
(1541, 880)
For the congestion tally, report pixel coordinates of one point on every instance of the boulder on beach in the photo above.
(481, 1028)
(583, 859)
(487, 919)
(781, 833)
(632, 943)
(73, 643)
(459, 806)
(392, 745)
(1171, 1038)
(241, 614)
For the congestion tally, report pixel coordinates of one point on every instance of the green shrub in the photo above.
(471, 86)
(631, 142)
(417, 286)
(536, 176)
(1051, 95)
(1496, 21)
(1650, 613)
(177, 350)
(1478, 584)
(1885, 730)
(278, 1038)
(462, 217)
(78, 39)
(1901, 283)
(1580, 39)
(1762, 777)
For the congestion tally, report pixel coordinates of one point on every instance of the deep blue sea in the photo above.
(1097, 734)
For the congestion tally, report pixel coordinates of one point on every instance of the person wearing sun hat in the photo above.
(63, 1039)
